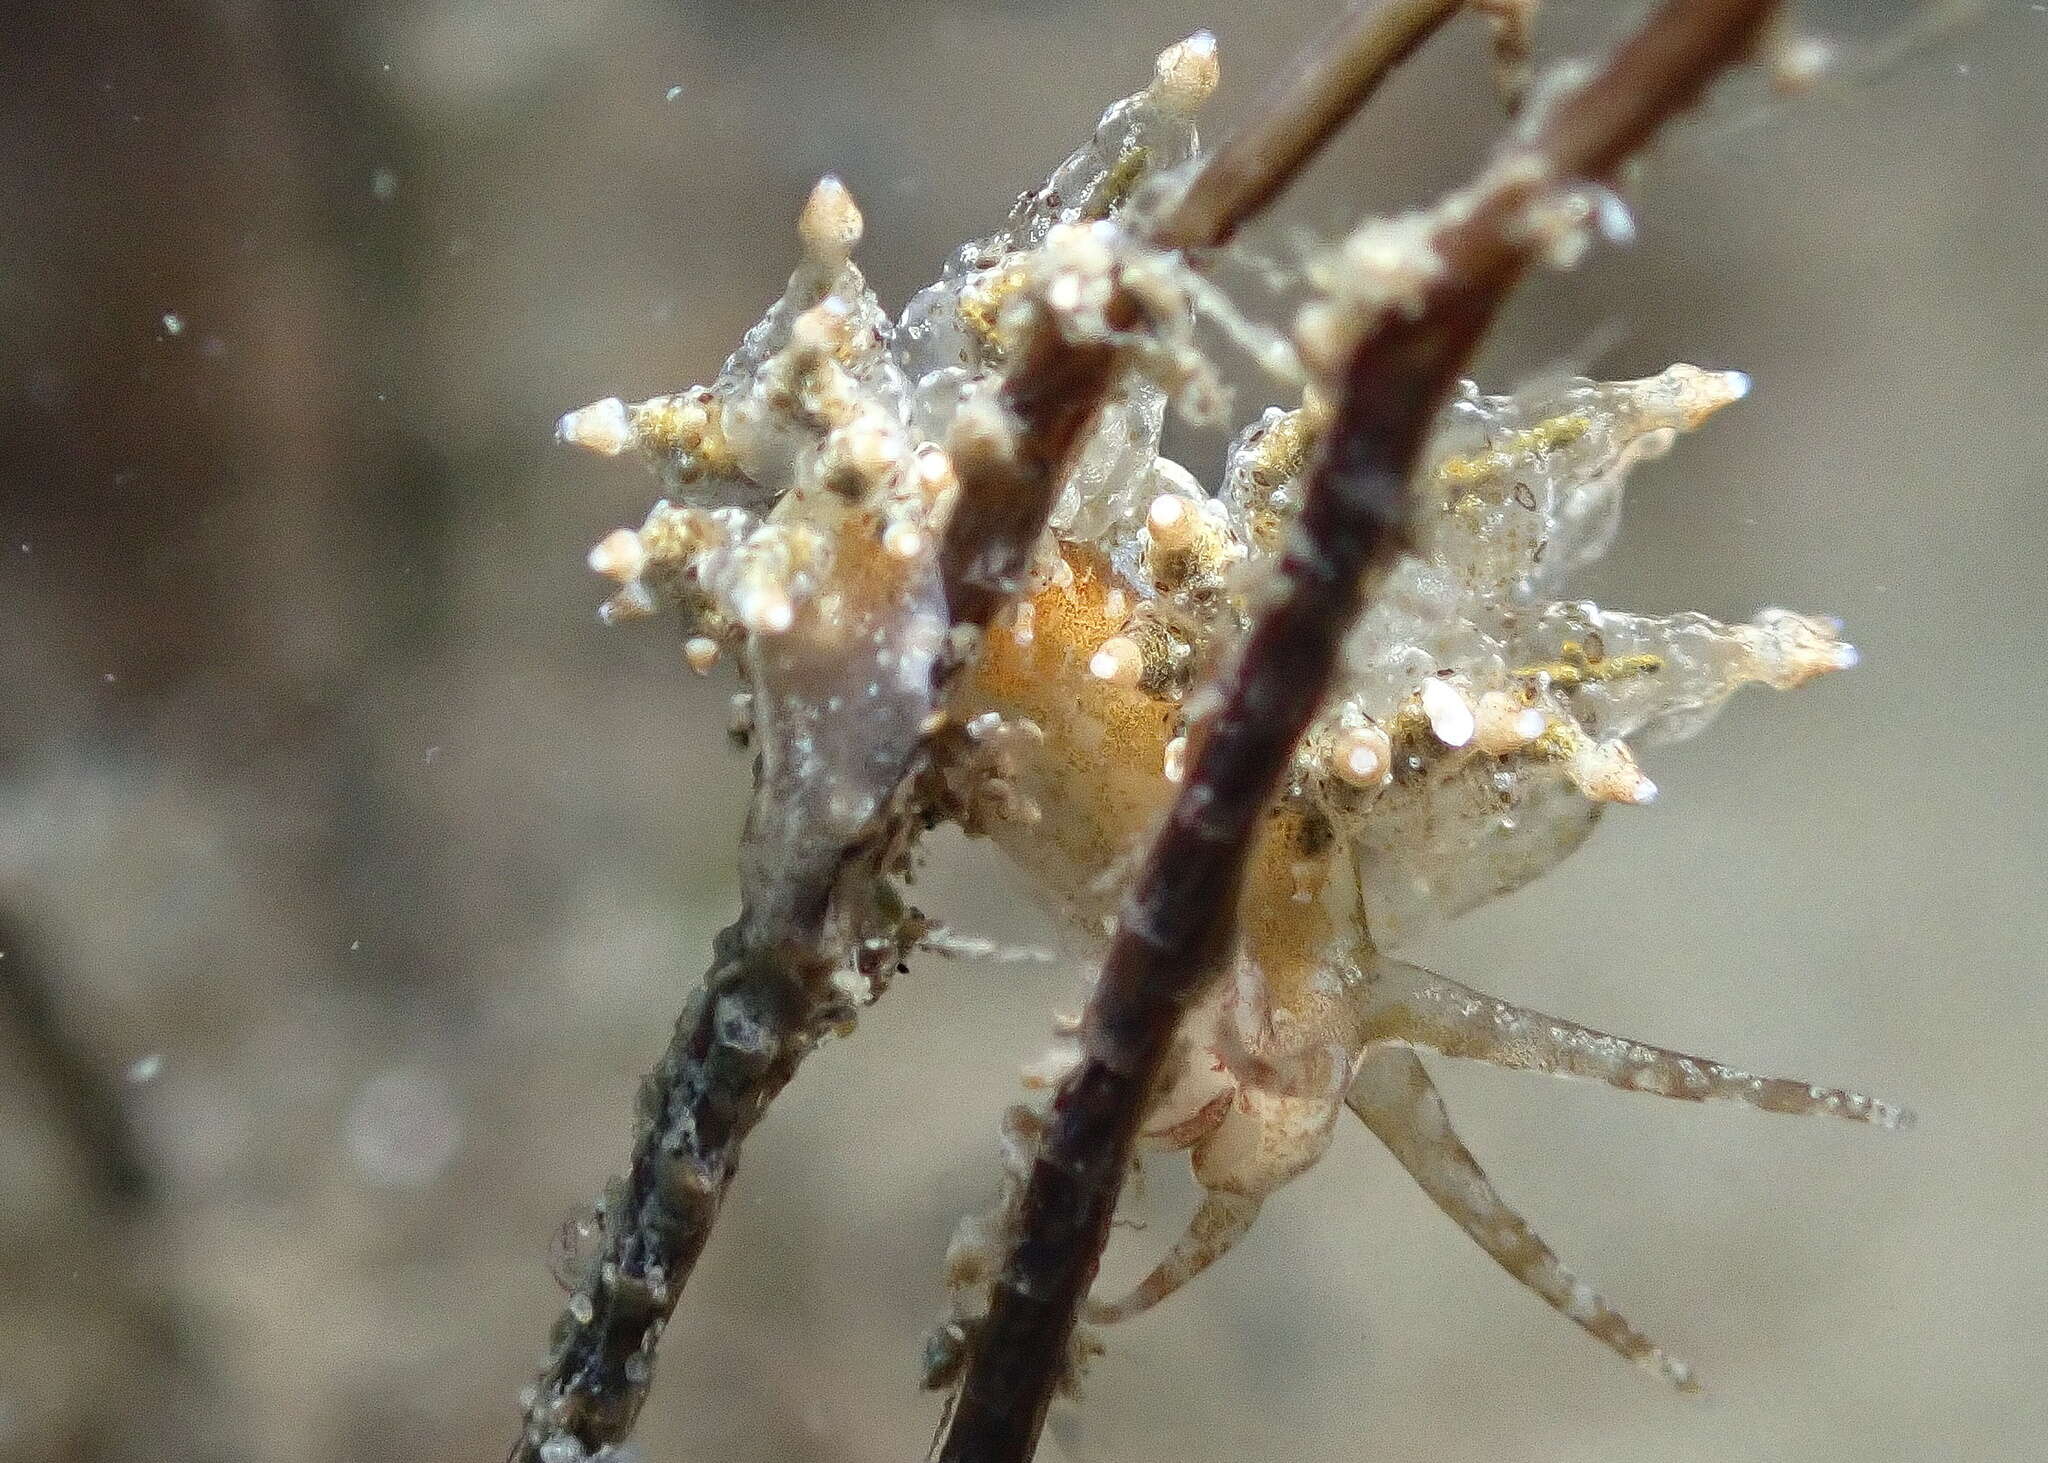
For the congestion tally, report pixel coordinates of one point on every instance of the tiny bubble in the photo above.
(384, 185)
(673, 92)
(579, 1241)
(144, 1069)
(174, 323)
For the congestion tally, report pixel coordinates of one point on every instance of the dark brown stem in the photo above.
(1053, 393)
(1332, 80)
(767, 997)
(1179, 921)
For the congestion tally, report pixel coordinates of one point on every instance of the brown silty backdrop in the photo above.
(324, 787)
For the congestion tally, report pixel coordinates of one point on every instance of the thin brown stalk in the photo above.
(1053, 394)
(767, 997)
(1178, 923)
(1334, 77)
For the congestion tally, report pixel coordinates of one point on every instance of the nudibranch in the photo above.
(1483, 724)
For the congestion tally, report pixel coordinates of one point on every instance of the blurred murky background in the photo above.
(350, 873)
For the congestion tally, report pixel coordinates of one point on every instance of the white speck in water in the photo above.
(108, 677)
(432, 753)
(673, 92)
(144, 1069)
(174, 323)
(354, 945)
(384, 185)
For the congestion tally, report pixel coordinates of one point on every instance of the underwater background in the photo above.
(351, 872)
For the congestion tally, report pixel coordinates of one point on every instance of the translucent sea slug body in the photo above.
(1482, 727)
